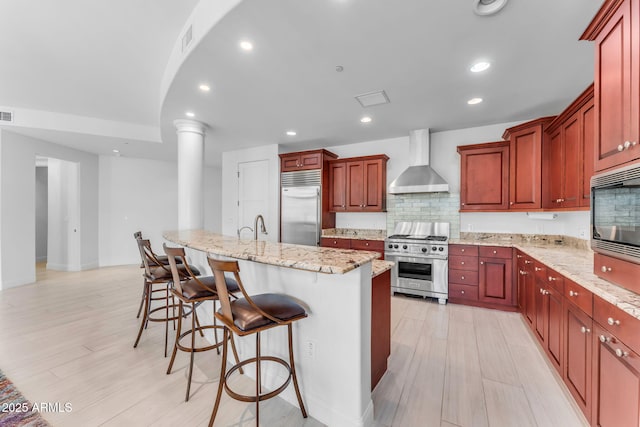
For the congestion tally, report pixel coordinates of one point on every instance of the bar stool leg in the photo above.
(143, 322)
(175, 344)
(215, 330)
(193, 345)
(293, 372)
(223, 369)
(166, 324)
(235, 352)
(144, 293)
(258, 379)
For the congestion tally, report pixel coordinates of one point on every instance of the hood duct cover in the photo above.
(419, 177)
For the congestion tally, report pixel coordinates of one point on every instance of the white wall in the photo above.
(17, 203)
(142, 195)
(41, 212)
(230, 161)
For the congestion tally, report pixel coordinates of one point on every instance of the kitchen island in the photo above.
(333, 345)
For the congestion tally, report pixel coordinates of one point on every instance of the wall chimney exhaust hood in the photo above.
(419, 177)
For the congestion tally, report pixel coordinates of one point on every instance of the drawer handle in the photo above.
(573, 294)
(537, 268)
(462, 277)
(366, 244)
(551, 278)
(461, 250)
(462, 262)
(495, 252)
(585, 330)
(462, 292)
(527, 261)
(481, 262)
(335, 243)
(604, 339)
(621, 353)
(613, 322)
(604, 268)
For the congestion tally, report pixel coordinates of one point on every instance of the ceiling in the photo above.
(107, 60)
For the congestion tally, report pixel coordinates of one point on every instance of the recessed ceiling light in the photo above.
(190, 114)
(474, 101)
(204, 88)
(480, 66)
(115, 151)
(246, 45)
(365, 119)
(292, 133)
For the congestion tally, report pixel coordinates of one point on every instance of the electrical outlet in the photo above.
(583, 233)
(310, 349)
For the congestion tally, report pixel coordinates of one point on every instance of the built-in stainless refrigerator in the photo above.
(300, 207)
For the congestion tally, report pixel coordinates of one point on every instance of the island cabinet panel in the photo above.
(359, 184)
(484, 176)
(617, 95)
(616, 381)
(577, 370)
(380, 325)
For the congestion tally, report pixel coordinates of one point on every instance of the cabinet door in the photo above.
(616, 382)
(310, 161)
(541, 311)
(553, 342)
(588, 138)
(577, 356)
(355, 186)
(495, 280)
(289, 163)
(484, 174)
(616, 91)
(571, 161)
(530, 294)
(337, 186)
(521, 273)
(328, 242)
(374, 182)
(553, 167)
(526, 169)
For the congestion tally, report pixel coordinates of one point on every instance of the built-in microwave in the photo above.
(615, 213)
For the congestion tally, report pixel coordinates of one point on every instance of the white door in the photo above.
(253, 194)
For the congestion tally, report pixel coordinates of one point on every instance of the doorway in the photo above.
(253, 193)
(42, 213)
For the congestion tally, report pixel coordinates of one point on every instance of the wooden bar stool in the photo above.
(157, 278)
(194, 290)
(252, 315)
(162, 259)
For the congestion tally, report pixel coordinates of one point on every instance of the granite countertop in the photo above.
(311, 258)
(574, 261)
(354, 233)
(380, 266)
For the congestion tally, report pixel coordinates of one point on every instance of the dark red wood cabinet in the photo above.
(484, 176)
(357, 244)
(304, 160)
(577, 370)
(548, 324)
(495, 275)
(380, 325)
(358, 184)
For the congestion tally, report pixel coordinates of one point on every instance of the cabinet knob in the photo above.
(461, 277)
(462, 262)
(518, 256)
(585, 330)
(627, 144)
(461, 204)
(522, 272)
(527, 261)
(335, 242)
(551, 278)
(461, 250)
(620, 147)
(621, 353)
(573, 294)
(537, 268)
(462, 292)
(481, 262)
(604, 339)
(611, 321)
(605, 269)
(511, 203)
(495, 252)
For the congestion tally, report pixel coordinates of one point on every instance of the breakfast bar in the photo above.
(333, 344)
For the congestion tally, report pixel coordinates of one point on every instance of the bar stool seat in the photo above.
(253, 315)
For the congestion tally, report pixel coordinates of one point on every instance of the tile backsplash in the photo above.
(431, 207)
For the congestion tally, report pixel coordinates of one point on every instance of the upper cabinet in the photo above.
(567, 163)
(525, 165)
(358, 184)
(616, 32)
(304, 160)
(484, 176)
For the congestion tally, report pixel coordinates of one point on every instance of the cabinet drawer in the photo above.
(540, 270)
(579, 296)
(467, 292)
(367, 245)
(557, 280)
(496, 252)
(329, 242)
(618, 271)
(619, 323)
(463, 263)
(463, 277)
(466, 250)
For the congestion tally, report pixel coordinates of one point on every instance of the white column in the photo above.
(190, 174)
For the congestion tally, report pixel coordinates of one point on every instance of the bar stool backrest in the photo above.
(149, 258)
(172, 253)
(137, 235)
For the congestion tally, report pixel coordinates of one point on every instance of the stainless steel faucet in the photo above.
(263, 229)
(242, 228)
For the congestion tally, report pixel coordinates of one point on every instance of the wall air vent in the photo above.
(6, 117)
(187, 38)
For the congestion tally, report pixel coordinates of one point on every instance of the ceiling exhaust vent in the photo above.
(6, 116)
(373, 98)
(187, 38)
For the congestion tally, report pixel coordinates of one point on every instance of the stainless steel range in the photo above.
(420, 251)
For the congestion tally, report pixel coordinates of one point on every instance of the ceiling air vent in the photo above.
(6, 116)
(187, 37)
(373, 98)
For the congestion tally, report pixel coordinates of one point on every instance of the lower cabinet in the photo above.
(577, 360)
(549, 313)
(380, 325)
(495, 276)
(358, 244)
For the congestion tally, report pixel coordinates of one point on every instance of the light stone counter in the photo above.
(380, 266)
(354, 234)
(573, 262)
(311, 258)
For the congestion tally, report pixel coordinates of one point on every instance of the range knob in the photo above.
(390, 246)
(424, 249)
(433, 248)
(441, 249)
(395, 246)
(404, 246)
